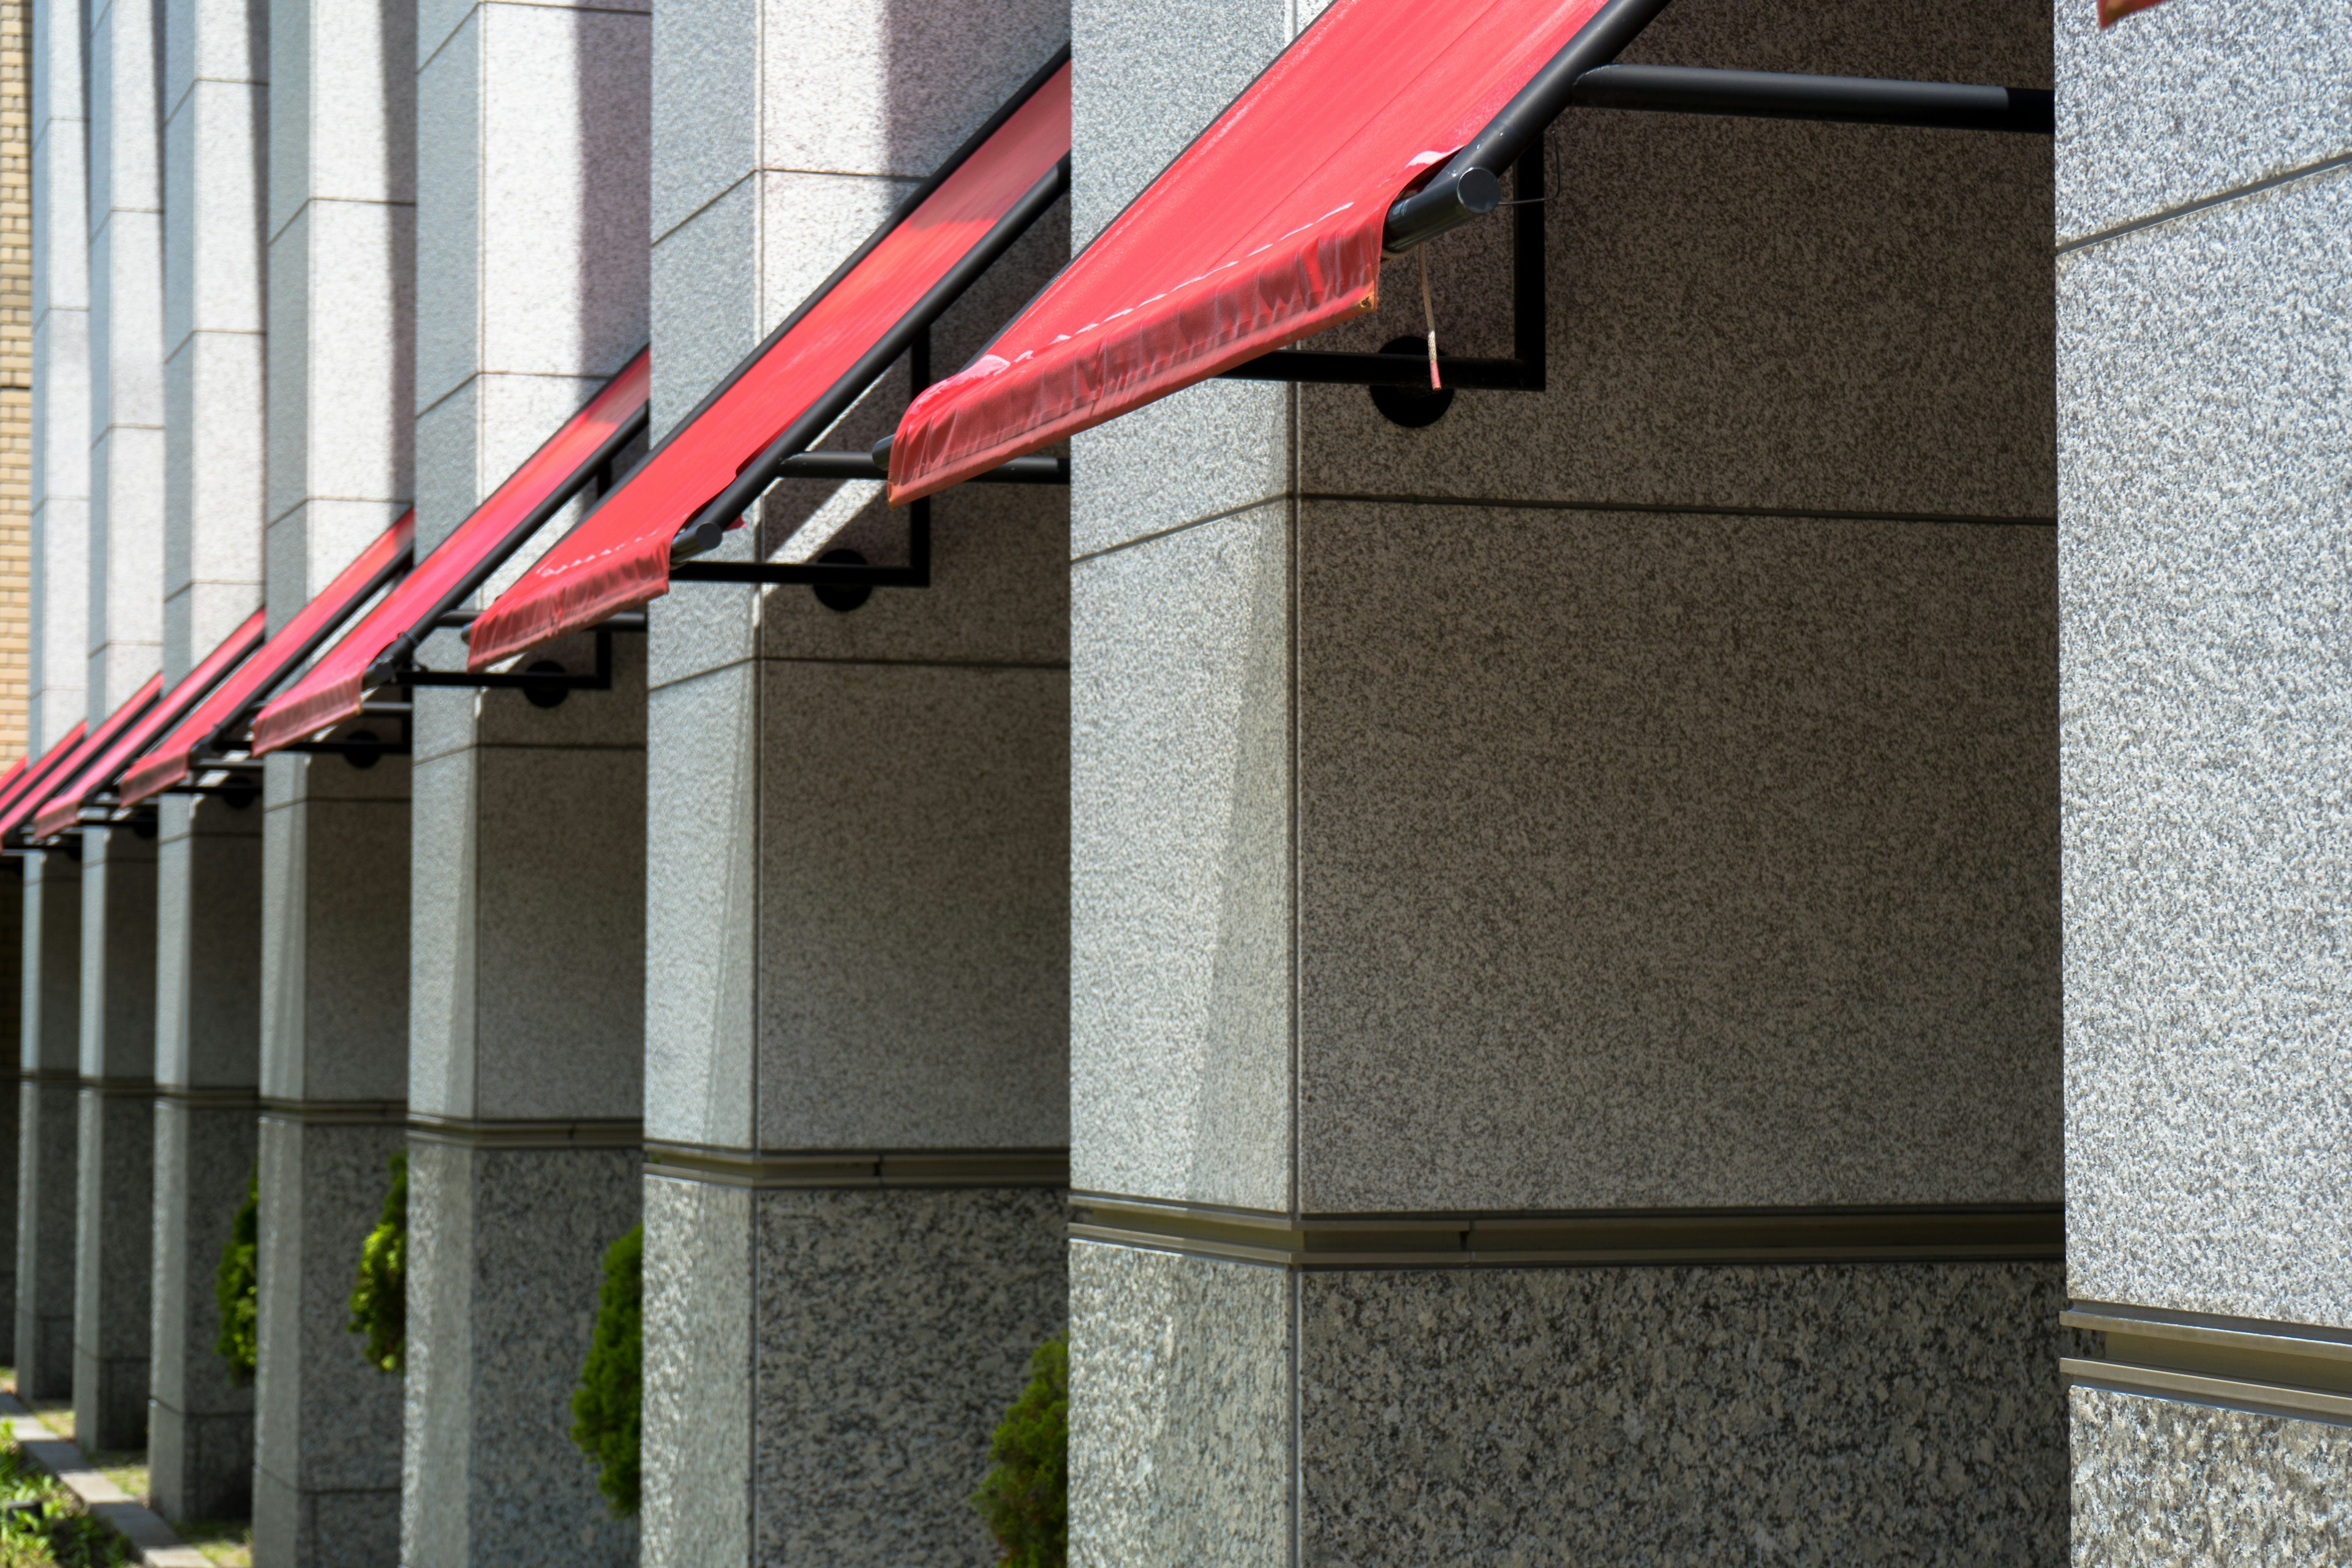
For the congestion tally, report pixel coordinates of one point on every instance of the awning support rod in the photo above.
(1845, 100)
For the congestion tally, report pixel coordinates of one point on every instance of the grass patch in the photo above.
(43, 1525)
(227, 1542)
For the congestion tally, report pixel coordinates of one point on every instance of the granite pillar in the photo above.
(58, 647)
(11, 1004)
(527, 990)
(208, 874)
(334, 948)
(49, 1124)
(1565, 960)
(207, 1061)
(114, 1233)
(2204, 321)
(855, 980)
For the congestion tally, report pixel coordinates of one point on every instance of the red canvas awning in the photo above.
(27, 778)
(1266, 230)
(619, 555)
(64, 805)
(192, 737)
(94, 745)
(332, 690)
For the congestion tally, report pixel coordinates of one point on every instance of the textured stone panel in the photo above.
(114, 1256)
(1876, 1414)
(699, 1391)
(2203, 544)
(1180, 1411)
(2158, 1483)
(1663, 860)
(894, 1328)
(1180, 882)
(913, 988)
(2183, 102)
(49, 1130)
(199, 1461)
(505, 1253)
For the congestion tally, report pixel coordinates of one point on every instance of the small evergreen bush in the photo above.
(380, 1300)
(236, 1286)
(1025, 1500)
(607, 1407)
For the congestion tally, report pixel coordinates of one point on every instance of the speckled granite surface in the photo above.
(1179, 1405)
(2159, 1483)
(1691, 1418)
(1680, 1417)
(895, 1327)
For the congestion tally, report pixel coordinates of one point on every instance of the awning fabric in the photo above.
(331, 691)
(26, 779)
(182, 749)
(94, 745)
(619, 555)
(1264, 230)
(64, 805)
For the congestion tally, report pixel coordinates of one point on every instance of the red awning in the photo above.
(193, 737)
(27, 778)
(64, 805)
(619, 555)
(1266, 230)
(331, 691)
(94, 745)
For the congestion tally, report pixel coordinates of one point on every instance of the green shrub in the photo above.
(607, 1407)
(43, 1525)
(1025, 1500)
(380, 1300)
(237, 1286)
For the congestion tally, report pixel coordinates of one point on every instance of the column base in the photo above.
(1834, 1413)
(114, 1266)
(505, 1267)
(327, 1425)
(48, 1135)
(2159, 1481)
(200, 1437)
(839, 1360)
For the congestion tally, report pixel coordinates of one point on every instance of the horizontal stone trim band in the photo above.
(2287, 1365)
(1921, 1234)
(333, 1113)
(468, 1133)
(2198, 1388)
(859, 1167)
(209, 1099)
(120, 1088)
(49, 1074)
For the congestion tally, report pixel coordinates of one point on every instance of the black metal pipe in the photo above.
(1455, 194)
(875, 466)
(711, 523)
(1381, 370)
(402, 651)
(1851, 100)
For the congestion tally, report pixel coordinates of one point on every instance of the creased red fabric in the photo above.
(2114, 11)
(94, 745)
(1266, 230)
(27, 779)
(64, 805)
(618, 557)
(175, 758)
(332, 691)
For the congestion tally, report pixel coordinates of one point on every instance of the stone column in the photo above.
(12, 1005)
(113, 1302)
(334, 956)
(2204, 279)
(208, 871)
(114, 1236)
(855, 1082)
(58, 656)
(1613, 826)
(48, 1096)
(60, 511)
(208, 1060)
(527, 973)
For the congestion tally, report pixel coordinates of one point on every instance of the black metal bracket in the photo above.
(1584, 74)
(544, 688)
(1523, 372)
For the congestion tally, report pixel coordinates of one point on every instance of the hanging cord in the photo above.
(1428, 315)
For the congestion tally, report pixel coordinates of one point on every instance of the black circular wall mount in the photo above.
(842, 597)
(1412, 407)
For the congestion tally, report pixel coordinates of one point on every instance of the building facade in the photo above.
(1710, 945)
